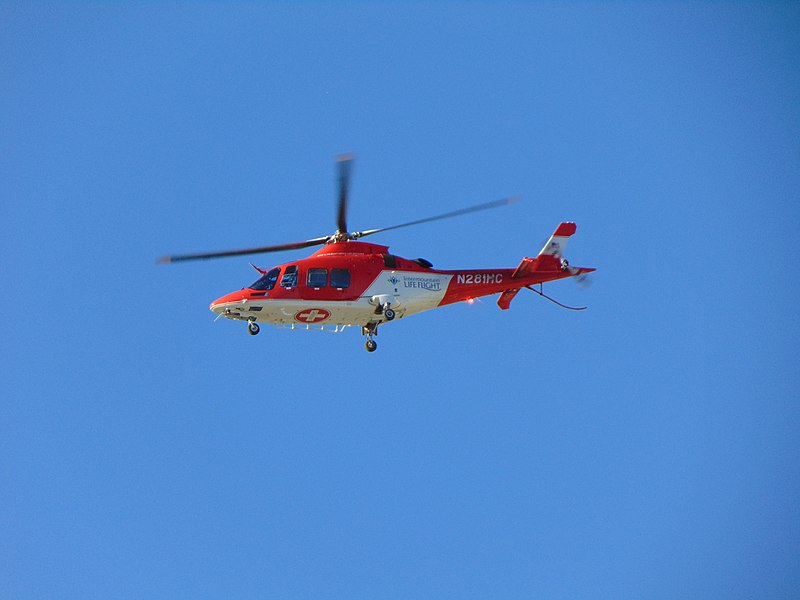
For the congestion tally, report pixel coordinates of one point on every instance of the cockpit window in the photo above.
(317, 278)
(267, 281)
(289, 279)
(340, 278)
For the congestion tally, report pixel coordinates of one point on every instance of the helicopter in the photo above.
(348, 283)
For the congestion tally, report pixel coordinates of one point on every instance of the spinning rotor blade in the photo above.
(345, 163)
(584, 280)
(262, 249)
(455, 213)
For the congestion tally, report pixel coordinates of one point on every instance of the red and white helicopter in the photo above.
(347, 282)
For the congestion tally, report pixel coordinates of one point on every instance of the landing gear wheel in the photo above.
(388, 313)
(371, 345)
(253, 328)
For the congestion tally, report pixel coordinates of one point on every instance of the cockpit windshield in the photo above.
(267, 281)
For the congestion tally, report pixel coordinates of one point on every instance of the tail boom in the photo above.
(548, 265)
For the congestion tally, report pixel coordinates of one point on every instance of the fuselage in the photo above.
(353, 283)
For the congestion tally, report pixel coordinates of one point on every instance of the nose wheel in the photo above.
(371, 345)
(253, 328)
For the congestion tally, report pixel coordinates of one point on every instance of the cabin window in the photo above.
(267, 281)
(340, 278)
(289, 279)
(317, 278)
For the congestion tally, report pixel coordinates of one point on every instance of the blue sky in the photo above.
(646, 447)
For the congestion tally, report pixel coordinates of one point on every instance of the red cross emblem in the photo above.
(312, 315)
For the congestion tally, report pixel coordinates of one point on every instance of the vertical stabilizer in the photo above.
(557, 243)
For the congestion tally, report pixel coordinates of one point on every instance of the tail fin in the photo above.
(551, 255)
(557, 243)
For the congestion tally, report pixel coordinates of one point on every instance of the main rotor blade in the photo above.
(262, 249)
(455, 213)
(345, 162)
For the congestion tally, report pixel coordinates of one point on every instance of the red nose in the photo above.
(232, 297)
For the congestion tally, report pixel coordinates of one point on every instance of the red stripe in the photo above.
(566, 229)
